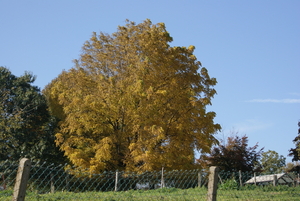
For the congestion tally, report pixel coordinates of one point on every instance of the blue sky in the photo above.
(251, 47)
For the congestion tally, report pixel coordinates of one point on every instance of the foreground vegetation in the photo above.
(246, 193)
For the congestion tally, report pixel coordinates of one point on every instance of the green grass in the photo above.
(246, 194)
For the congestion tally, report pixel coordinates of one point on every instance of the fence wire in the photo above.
(50, 182)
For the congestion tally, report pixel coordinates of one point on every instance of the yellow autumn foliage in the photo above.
(133, 102)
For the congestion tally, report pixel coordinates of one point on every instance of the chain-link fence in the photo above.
(249, 186)
(49, 182)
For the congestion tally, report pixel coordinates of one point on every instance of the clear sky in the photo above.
(251, 47)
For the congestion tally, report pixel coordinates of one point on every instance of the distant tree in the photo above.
(234, 155)
(292, 167)
(26, 129)
(134, 102)
(271, 162)
(294, 152)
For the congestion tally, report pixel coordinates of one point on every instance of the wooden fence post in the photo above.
(212, 183)
(116, 181)
(67, 181)
(21, 180)
(162, 185)
(3, 183)
(274, 180)
(254, 178)
(240, 177)
(199, 179)
(52, 188)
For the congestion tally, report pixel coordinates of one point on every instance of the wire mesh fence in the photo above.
(248, 186)
(49, 182)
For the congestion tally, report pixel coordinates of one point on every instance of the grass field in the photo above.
(249, 194)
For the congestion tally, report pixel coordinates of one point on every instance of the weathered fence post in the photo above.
(199, 179)
(3, 183)
(274, 180)
(21, 180)
(52, 188)
(67, 181)
(162, 185)
(254, 178)
(240, 177)
(212, 183)
(116, 182)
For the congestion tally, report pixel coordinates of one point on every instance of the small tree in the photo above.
(271, 162)
(233, 156)
(292, 167)
(294, 152)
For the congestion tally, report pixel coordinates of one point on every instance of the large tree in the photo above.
(26, 129)
(234, 155)
(134, 102)
(271, 162)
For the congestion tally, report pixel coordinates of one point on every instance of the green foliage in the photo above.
(167, 190)
(271, 162)
(249, 187)
(295, 152)
(26, 129)
(292, 167)
(279, 188)
(233, 156)
(6, 193)
(280, 193)
(229, 184)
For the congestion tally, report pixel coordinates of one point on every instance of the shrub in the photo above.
(229, 184)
